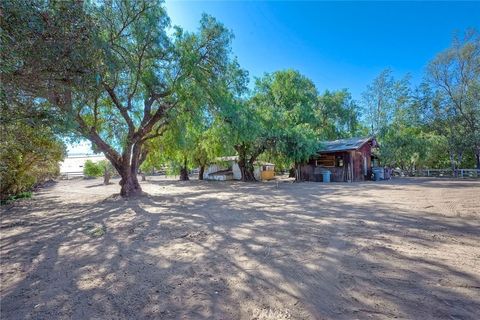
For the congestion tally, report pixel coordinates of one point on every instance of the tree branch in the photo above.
(122, 109)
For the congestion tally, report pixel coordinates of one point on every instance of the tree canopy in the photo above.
(147, 94)
(139, 77)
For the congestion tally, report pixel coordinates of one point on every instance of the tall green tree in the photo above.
(338, 115)
(455, 74)
(143, 70)
(243, 129)
(382, 100)
(199, 135)
(287, 101)
(47, 47)
(182, 144)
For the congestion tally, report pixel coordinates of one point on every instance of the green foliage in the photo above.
(435, 124)
(338, 116)
(29, 152)
(97, 169)
(297, 144)
(403, 147)
(92, 169)
(95, 230)
(455, 75)
(12, 198)
(130, 76)
(383, 99)
(287, 101)
(148, 94)
(47, 46)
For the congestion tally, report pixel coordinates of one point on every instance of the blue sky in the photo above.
(336, 44)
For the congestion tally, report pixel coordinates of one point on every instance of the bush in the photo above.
(97, 169)
(93, 169)
(28, 155)
(11, 198)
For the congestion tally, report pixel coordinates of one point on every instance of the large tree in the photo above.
(243, 129)
(338, 115)
(287, 101)
(202, 132)
(46, 47)
(455, 73)
(382, 99)
(183, 144)
(141, 72)
(279, 118)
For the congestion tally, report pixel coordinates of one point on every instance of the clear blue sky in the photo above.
(336, 44)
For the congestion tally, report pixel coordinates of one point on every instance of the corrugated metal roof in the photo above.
(229, 158)
(343, 144)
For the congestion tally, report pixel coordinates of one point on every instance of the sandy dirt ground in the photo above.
(405, 249)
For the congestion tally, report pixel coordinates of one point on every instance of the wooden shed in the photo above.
(346, 159)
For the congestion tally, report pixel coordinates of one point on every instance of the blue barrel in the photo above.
(326, 176)
(377, 174)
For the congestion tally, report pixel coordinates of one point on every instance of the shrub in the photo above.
(92, 169)
(97, 169)
(28, 156)
(11, 198)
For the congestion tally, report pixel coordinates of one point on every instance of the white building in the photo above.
(226, 168)
(74, 163)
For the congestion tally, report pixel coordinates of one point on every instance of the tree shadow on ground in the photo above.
(234, 250)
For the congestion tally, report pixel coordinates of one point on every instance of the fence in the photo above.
(458, 173)
(69, 175)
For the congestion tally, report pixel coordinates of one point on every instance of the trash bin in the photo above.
(377, 174)
(326, 175)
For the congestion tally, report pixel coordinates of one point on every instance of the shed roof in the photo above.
(344, 144)
(221, 172)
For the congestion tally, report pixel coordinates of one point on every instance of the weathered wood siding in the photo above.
(359, 159)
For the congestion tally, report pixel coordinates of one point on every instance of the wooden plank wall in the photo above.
(311, 172)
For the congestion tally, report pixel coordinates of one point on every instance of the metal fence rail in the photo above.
(458, 173)
(68, 175)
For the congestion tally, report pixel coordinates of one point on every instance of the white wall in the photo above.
(221, 177)
(211, 168)
(76, 163)
(237, 174)
(256, 172)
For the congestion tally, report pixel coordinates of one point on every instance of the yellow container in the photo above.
(267, 175)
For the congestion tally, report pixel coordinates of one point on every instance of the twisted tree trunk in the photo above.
(246, 170)
(298, 172)
(128, 170)
(452, 161)
(201, 172)
(106, 176)
(184, 171)
(130, 186)
(245, 165)
(477, 157)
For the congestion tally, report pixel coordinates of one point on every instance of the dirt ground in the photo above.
(406, 249)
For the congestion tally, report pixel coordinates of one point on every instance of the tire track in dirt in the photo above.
(320, 284)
